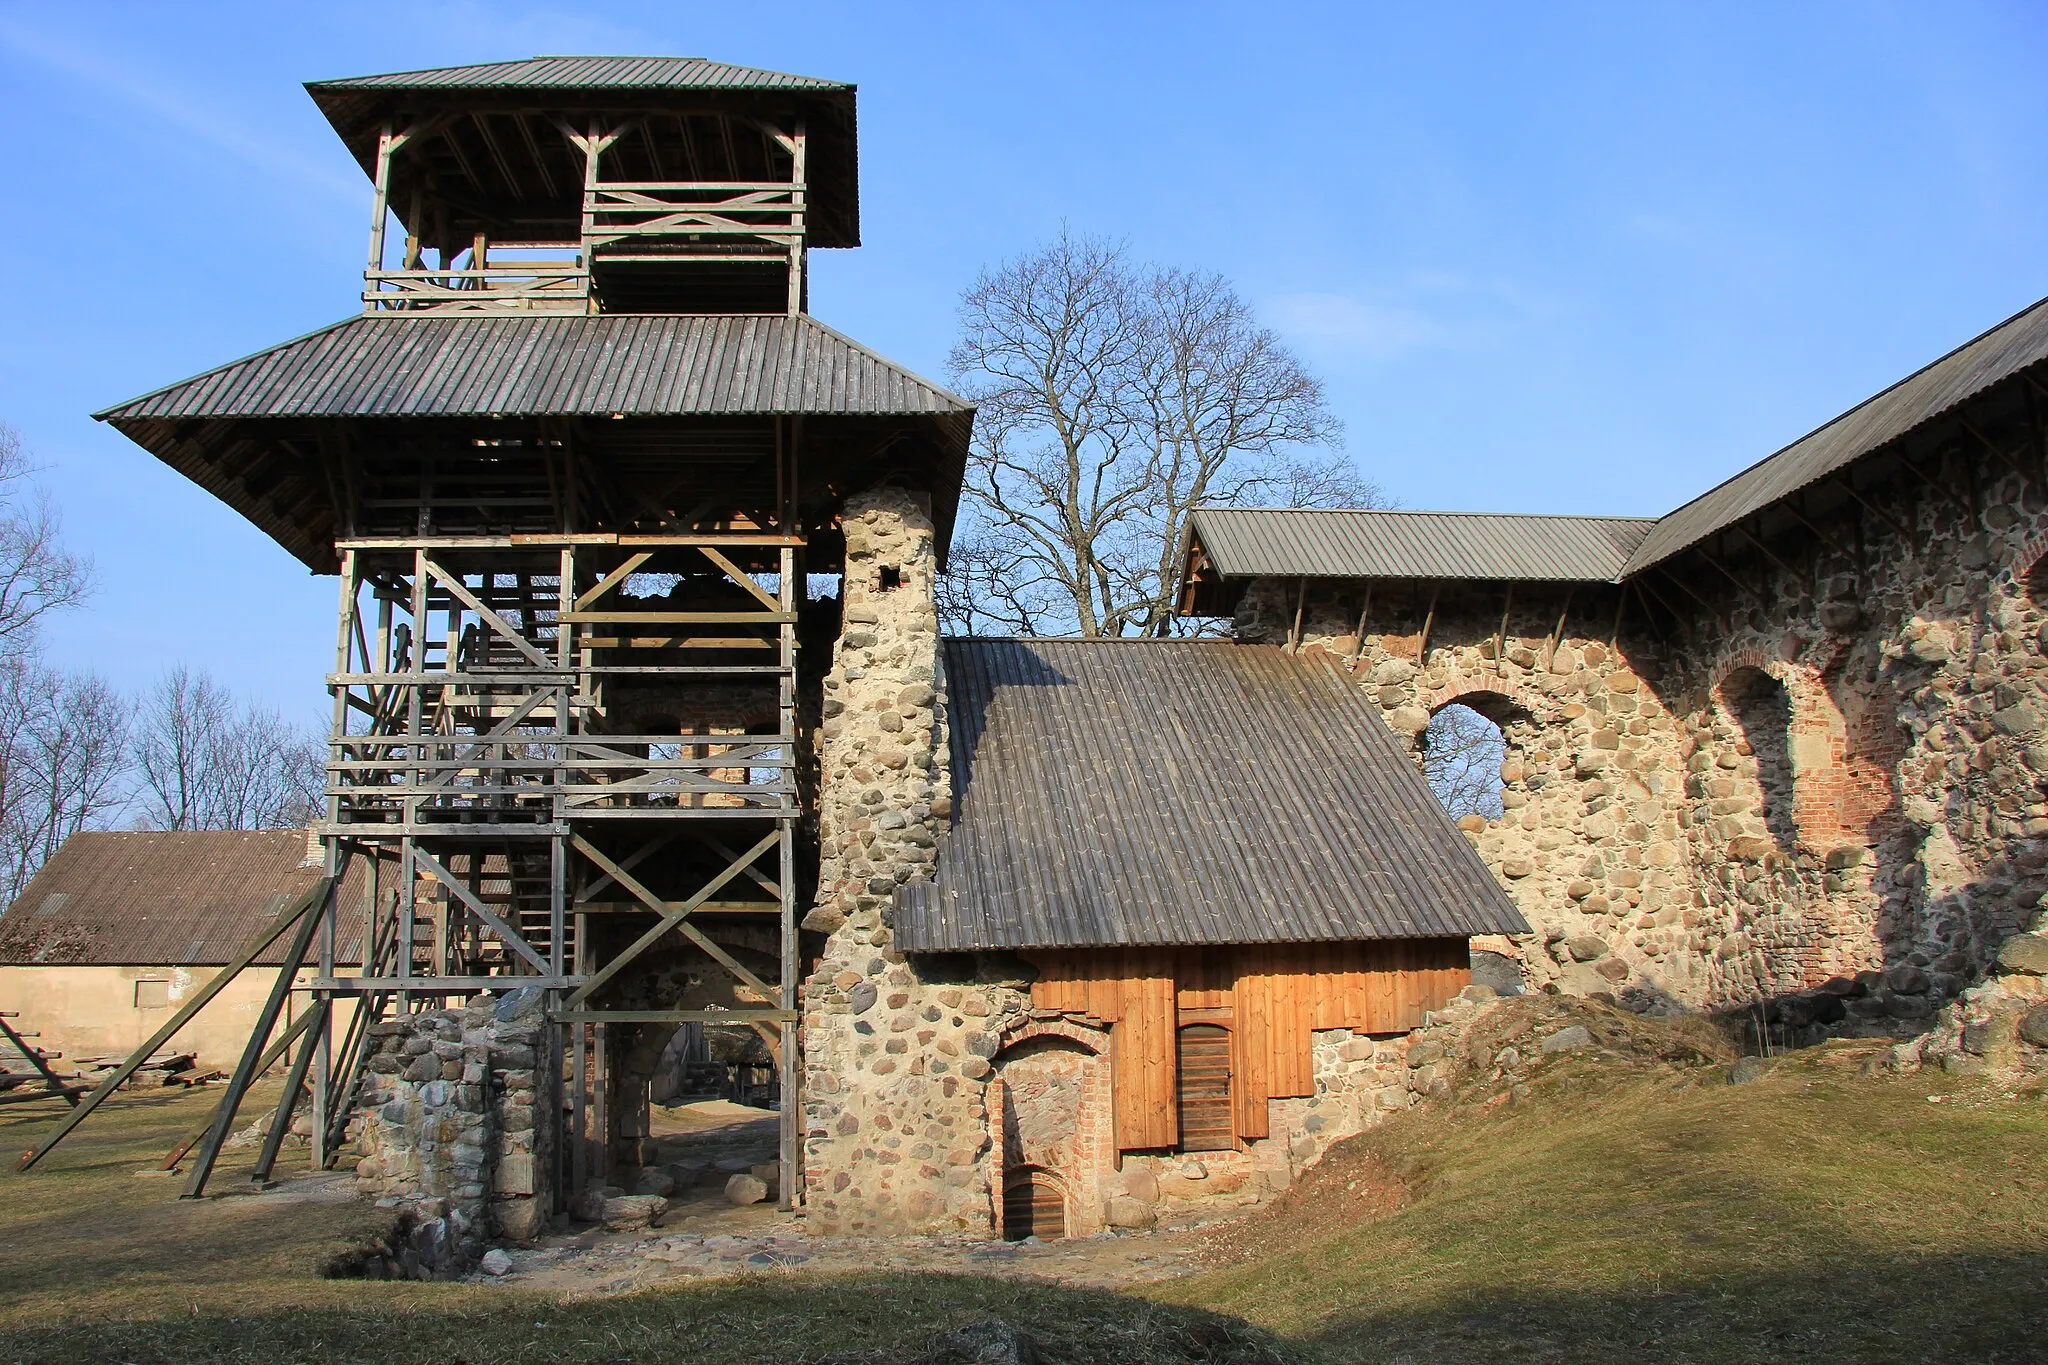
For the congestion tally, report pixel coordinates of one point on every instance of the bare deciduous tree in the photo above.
(37, 575)
(1115, 399)
(1462, 752)
(204, 763)
(63, 754)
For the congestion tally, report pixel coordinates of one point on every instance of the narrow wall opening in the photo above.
(1462, 753)
(1763, 715)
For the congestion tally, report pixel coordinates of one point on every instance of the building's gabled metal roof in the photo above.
(189, 898)
(1970, 369)
(634, 365)
(1320, 543)
(586, 73)
(1183, 792)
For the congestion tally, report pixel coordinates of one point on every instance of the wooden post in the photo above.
(1428, 620)
(1358, 635)
(1300, 604)
(798, 286)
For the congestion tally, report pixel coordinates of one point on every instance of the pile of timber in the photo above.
(25, 1071)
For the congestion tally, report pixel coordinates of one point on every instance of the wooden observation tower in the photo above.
(574, 463)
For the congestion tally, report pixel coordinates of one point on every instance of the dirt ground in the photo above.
(705, 1236)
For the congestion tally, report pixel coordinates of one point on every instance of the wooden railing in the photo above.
(621, 214)
(558, 286)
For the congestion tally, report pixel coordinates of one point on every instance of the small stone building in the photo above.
(118, 929)
(1188, 896)
(1781, 750)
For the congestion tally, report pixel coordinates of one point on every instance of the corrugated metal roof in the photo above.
(638, 365)
(183, 899)
(1998, 354)
(1183, 792)
(586, 73)
(1317, 543)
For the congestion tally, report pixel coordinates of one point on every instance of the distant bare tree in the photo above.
(205, 763)
(1462, 753)
(1115, 399)
(63, 743)
(37, 575)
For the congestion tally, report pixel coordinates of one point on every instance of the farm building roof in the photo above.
(189, 898)
(1183, 792)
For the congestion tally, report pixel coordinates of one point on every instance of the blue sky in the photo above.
(1573, 258)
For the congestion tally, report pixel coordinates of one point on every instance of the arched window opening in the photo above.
(1207, 1120)
(1462, 753)
(1033, 1207)
(1763, 711)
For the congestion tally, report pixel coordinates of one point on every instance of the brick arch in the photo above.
(1457, 689)
(1094, 1041)
(2028, 559)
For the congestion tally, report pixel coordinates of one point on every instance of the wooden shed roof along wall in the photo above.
(1126, 792)
(2001, 370)
(184, 898)
(1272, 998)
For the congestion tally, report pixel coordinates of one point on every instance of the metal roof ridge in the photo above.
(1836, 420)
(876, 356)
(114, 410)
(1436, 512)
(360, 81)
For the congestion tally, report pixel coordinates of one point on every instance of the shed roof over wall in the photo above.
(1183, 792)
(1970, 369)
(189, 898)
(1251, 543)
(1317, 543)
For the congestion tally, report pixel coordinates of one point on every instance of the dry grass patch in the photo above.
(1635, 1206)
(97, 1265)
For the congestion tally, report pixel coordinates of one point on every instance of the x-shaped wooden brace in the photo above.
(672, 917)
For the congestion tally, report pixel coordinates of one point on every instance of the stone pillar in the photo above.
(895, 1064)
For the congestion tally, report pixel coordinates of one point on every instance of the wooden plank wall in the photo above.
(1277, 995)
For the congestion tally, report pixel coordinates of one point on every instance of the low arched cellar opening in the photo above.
(1051, 1135)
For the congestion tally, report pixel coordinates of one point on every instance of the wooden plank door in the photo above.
(1207, 1120)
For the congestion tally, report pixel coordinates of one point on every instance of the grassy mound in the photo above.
(1623, 1201)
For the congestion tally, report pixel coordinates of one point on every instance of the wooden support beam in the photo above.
(1300, 604)
(505, 933)
(35, 1059)
(1842, 482)
(1428, 620)
(245, 1070)
(293, 913)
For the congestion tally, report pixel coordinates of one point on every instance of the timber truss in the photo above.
(564, 756)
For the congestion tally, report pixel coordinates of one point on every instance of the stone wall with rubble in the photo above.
(896, 1053)
(1832, 779)
(450, 1130)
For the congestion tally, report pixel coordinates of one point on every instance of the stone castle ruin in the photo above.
(643, 722)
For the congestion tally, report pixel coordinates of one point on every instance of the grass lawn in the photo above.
(1623, 1210)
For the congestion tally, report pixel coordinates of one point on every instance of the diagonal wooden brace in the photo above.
(460, 590)
(510, 937)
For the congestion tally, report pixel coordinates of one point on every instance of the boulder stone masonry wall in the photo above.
(1833, 781)
(896, 1061)
(449, 1133)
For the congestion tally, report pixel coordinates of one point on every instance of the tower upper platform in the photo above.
(599, 184)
